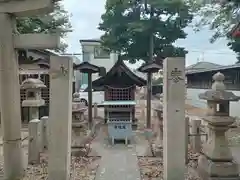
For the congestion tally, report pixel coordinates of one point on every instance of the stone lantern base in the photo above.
(211, 170)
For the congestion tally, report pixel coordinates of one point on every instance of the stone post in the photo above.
(143, 108)
(174, 132)
(44, 132)
(95, 110)
(187, 139)
(196, 143)
(216, 161)
(34, 141)
(159, 139)
(60, 117)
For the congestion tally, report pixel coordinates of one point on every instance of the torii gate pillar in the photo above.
(9, 75)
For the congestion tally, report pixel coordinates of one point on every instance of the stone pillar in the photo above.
(159, 139)
(187, 139)
(143, 108)
(10, 101)
(34, 141)
(44, 132)
(216, 162)
(95, 110)
(60, 117)
(33, 113)
(174, 132)
(196, 143)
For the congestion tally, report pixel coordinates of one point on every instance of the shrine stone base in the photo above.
(208, 170)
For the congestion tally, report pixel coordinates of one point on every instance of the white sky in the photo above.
(86, 15)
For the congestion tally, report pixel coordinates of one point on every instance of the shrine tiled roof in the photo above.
(118, 69)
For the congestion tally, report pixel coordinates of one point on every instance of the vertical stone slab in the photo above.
(174, 133)
(60, 117)
(34, 129)
(44, 132)
(10, 101)
(196, 138)
(187, 139)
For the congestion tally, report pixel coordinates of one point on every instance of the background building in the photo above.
(94, 53)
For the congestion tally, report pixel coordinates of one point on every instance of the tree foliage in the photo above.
(55, 22)
(128, 26)
(157, 81)
(221, 17)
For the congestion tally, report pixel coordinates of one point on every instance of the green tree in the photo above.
(57, 21)
(234, 44)
(220, 17)
(128, 26)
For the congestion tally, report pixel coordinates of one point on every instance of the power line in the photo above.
(198, 51)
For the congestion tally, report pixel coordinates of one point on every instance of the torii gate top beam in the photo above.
(25, 8)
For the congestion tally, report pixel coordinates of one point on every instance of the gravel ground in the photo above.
(151, 168)
(82, 168)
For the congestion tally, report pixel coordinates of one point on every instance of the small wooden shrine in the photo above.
(119, 85)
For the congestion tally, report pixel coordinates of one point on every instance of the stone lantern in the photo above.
(78, 108)
(33, 96)
(216, 162)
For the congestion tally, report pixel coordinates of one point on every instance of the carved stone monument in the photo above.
(174, 133)
(216, 162)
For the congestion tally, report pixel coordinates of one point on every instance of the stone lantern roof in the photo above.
(31, 83)
(218, 91)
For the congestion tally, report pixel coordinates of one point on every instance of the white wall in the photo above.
(88, 55)
(107, 63)
(192, 98)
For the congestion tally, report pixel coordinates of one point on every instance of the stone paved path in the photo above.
(118, 162)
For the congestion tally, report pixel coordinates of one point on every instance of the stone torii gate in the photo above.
(10, 40)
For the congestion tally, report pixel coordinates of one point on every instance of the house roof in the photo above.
(43, 62)
(119, 74)
(90, 40)
(201, 66)
(219, 68)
